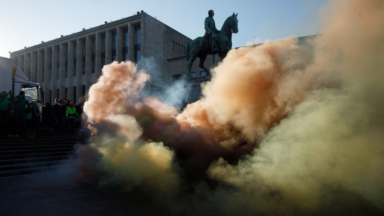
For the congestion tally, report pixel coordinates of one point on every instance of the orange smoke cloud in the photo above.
(266, 120)
(119, 83)
(252, 90)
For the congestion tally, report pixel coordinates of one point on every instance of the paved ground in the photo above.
(42, 195)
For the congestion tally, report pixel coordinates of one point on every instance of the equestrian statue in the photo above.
(213, 42)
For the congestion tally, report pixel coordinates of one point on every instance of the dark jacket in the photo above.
(79, 108)
(57, 110)
(31, 122)
(13, 111)
(63, 110)
(49, 115)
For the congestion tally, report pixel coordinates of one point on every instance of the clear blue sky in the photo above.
(28, 22)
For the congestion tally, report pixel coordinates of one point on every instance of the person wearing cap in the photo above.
(71, 115)
(31, 117)
(4, 100)
(14, 116)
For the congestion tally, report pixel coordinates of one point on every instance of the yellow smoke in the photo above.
(328, 154)
(304, 125)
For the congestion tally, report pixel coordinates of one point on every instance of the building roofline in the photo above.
(80, 33)
(168, 26)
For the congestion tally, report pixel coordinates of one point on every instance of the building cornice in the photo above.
(78, 34)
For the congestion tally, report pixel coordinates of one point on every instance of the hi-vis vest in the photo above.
(71, 113)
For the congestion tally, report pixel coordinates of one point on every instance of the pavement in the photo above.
(42, 195)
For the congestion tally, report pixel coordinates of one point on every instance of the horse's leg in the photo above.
(202, 57)
(193, 57)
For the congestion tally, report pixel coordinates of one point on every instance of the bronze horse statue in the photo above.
(197, 48)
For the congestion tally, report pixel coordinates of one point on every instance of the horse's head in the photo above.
(234, 22)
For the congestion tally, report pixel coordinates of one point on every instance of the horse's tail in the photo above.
(187, 49)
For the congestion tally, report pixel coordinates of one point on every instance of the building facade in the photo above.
(69, 65)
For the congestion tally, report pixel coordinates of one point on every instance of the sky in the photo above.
(27, 23)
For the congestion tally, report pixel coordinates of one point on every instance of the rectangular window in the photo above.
(193, 74)
(66, 92)
(93, 55)
(93, 45)
(173, 44)
(114, 40)
(203, 74)
(74, 94)
(84, 57)
(58, 93)
(137, 34)
(176, 77)
(66, 69)
(75, 49)
(58, 62)
(83, 90)
(125, 38)
(50, 96)
(50, 72)
(137, 44)
(74, 67)
(114, 46)
(103, 43)
(84, 47)
(155, 90)
(84, 64)
(42, 96)
(103, 48)
(125, 44)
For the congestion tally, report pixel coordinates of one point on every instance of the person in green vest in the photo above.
(4, 100)
(14, 115)
(71, 115)
(31, 117)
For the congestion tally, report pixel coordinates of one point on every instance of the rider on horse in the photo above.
(210, 38)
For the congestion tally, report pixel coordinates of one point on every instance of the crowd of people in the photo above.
(19, 116)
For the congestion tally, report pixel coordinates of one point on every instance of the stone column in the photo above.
(63, 69)
(21, 62)
(108, 52)
(99, 65)
(46, 65)
(47, 72)
(27, 65)
(73, 70)
(33, 67)
(54, 72)
(88, 59)
(119, 50)
(79, 65)
(131, 42)
(15, 60)
(40, 65)
(142, 39)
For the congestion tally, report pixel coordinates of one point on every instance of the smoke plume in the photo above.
(282, 128)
